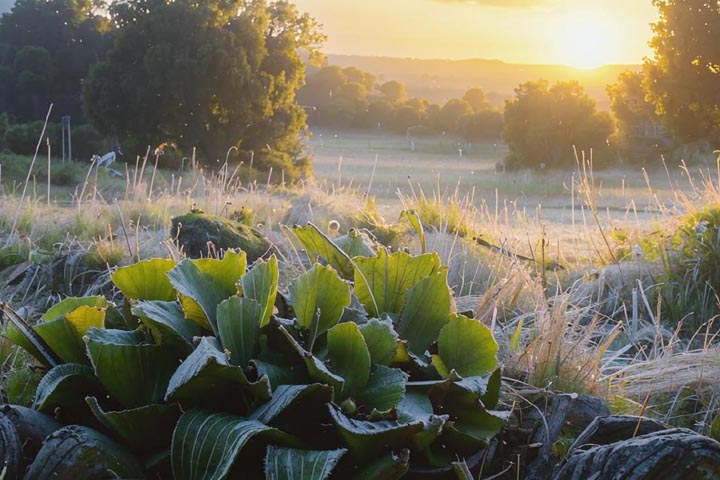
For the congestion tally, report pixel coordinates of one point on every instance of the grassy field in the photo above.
(567, 207)
(382, 165)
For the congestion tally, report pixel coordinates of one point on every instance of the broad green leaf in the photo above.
(366, 440)
(49, 358)
(468, 347)
(381, 339)
(260, 284)
(315, 367)
(389, 467)
(349, 357)
(491, 396)
(61, 330)
(134, 372)
(287, 397)
(474, 425)
(317, 244)
(414, 220)
(206, 379)
(416, 406)
(147, 428)
(382, 281)
(319, 297)
(205, 445)
(384, 390)
(63, 339)
(426, 311)
(470, 435)
(84, 317)
(238, 321)
(279, 374)
(204, 283)
(292, 464)
(69, 304)
(66, 386)
(146, 280)
(166, 320)
(22, 334)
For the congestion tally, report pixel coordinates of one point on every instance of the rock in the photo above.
(673, 454)
(584, 410)
(32, 427)
(203, 235)
(76, 452)
(357, 243)
(611, 429)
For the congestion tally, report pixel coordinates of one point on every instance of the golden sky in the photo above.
(581, 33)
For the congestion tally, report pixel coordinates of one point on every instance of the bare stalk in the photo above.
(27, 179)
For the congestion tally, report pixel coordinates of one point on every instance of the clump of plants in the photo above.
(205, 370)
(692, 271)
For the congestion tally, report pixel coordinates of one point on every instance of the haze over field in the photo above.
(579, 33)
(439, 80)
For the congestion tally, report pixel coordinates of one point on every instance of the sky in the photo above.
(580, 33)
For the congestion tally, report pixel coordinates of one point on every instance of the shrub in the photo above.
(23, 137)
(691, 283)
(396, 382)
(86, 142)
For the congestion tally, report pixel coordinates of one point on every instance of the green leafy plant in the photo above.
(203, 373)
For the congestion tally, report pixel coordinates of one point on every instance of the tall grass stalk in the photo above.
(49, 172)
(27, 179)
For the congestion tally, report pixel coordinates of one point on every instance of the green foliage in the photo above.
(23, 138)
(393, 91)
(544, 123)
(231, 83)
(291, 464)
(691, 277)
(337, 97)
(681, 78)
(230, 391)
(639, 136)
(47, 48)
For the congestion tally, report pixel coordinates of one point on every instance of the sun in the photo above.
(586, 40)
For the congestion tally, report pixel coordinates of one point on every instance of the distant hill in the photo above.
(440, 80)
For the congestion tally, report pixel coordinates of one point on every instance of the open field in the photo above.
(520, 206)
(382, 164)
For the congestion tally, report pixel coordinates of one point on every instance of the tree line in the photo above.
(350, 98)
(228, 77)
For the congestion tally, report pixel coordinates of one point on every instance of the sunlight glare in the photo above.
(586, 40)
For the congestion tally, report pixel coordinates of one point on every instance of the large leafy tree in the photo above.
(46, 48)
(544, 123)
(337, 97)
(213, 75)
(684, 77)
(638, 132)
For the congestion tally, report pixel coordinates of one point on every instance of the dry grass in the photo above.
(594, 326)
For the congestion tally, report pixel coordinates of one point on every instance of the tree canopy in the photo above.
(202, 74)
(46, 48)
(544, 123)
(638, 135)
(683, 79)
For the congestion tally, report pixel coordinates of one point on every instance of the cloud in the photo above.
(503, 3)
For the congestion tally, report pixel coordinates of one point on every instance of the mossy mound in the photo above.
(203, 235)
